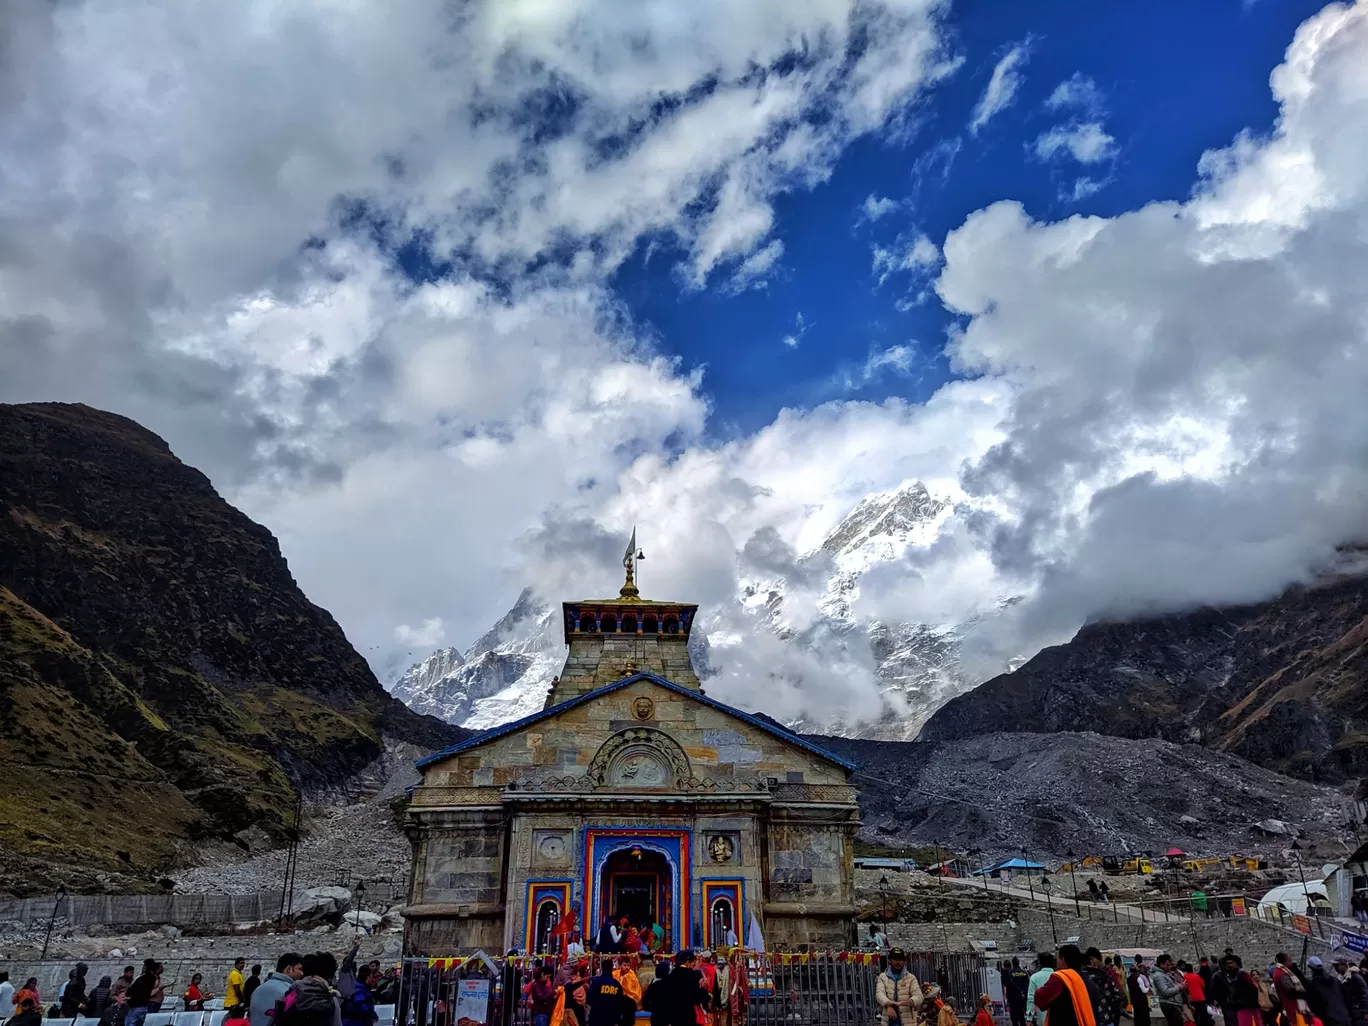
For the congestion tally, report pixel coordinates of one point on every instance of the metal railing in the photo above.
(1229, 906)
(809, 989)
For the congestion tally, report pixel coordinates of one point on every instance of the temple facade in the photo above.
(631, 794)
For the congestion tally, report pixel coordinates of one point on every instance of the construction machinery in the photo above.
(1114, 866)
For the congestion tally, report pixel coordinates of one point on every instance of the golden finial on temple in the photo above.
(630, 558)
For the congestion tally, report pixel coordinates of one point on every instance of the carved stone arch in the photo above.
(640, 757)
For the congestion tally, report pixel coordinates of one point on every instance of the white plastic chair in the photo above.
(384, 1013)
(188, 1019)
(85, 1020)
(216, 1017)
(159, 1019)
(214, 1005)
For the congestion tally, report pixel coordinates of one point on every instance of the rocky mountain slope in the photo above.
(1050, 793)
(162, 677)
(1283, 683)
(508, 672)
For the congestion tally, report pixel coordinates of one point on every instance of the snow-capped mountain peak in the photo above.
(508, 671)
(887, 521)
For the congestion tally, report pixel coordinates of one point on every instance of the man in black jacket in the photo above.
(140, 993)
(74, 993)
(1326, 995)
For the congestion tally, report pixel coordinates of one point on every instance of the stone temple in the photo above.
(632, 793)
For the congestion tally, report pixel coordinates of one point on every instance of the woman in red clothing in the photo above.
(1196, 989)
(195, 997)
(984, 1017)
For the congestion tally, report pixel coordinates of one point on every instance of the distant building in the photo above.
(631, 794)
(895, 865)
(1017, 867)
(1345, 880)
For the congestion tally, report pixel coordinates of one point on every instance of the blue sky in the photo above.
(1177, 79)
(449, 304)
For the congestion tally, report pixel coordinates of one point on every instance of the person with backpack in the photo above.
(311, 1000)
(1108, 1000)
(358, 1009)
(289, 968)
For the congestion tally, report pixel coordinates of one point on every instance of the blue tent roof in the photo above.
(527, 721)
(1009, 864)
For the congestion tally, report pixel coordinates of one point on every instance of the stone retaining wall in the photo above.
(1031, 931)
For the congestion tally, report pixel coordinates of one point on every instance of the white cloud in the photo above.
(916, 255)
(428, 634)
(1165, 407)
(1079, 91)
(876, 207)
(800, 328)
(1087, 143)
(755, 270)
(1002, 86)
(1084, 187)
(1189, 423)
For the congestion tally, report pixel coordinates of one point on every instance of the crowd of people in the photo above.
(1070, 987)
(690, 989)
(1086, 988)
(292, 995)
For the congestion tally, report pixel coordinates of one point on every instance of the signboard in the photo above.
(1355, 942)
(1237, 906)
(472, 1003)
(1301, 924)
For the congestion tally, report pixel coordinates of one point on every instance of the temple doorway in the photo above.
(636, 883)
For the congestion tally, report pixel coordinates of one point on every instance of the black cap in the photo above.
(898, 953)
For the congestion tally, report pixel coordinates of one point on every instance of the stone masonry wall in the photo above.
(1254, 942)
(718, 745)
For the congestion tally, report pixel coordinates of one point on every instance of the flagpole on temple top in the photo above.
(630, 560)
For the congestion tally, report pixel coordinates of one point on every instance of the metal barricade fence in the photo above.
(815, 989)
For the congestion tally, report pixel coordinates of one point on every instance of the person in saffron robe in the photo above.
(1064, 996)
(984, 1016)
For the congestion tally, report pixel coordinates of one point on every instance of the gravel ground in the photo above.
(1050, 793)
(346, 837)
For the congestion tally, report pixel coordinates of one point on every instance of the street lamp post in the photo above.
(1301, 872)
(883, 894)
(983, 866)
(61, 893)
(1027, 870)
(360, 907)
(1073, 879)
(1045, 886)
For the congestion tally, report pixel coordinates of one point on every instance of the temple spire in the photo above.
(629, 562)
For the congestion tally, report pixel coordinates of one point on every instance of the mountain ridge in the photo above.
(1283, 683)
(165, 677)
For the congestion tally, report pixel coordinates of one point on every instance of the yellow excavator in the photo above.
(1197, 865)
(1083, 863)
(1114, 866)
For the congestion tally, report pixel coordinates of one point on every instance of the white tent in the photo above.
(1293, 897)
